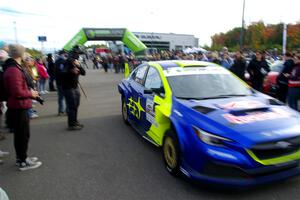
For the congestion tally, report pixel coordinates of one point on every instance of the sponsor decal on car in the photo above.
(135, 108)
(251, 117)
(242, 105)
(150, 115)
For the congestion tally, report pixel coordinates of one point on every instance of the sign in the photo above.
(42, 38)
(102, 34)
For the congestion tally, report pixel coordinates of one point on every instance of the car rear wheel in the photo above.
(171, 153)
(124, 112)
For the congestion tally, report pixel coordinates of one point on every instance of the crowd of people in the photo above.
(23, 83)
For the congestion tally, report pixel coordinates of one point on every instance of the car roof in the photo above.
(166, 64)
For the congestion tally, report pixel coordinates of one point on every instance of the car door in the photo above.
(153, 88)
(135, 103)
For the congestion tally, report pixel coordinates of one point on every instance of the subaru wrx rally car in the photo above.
(212, 126)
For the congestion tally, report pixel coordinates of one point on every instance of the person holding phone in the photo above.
(69, 81)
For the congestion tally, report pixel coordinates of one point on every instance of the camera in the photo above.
(40, 100)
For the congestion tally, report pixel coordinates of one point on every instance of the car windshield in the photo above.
(207, 86)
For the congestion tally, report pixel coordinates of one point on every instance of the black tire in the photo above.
(124, 112)
(171, 153)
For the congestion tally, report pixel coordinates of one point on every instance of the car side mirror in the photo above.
(158, 90)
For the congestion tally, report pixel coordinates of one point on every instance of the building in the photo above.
(167, 41)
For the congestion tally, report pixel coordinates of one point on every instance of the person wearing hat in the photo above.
(70, 79)
(19, 101)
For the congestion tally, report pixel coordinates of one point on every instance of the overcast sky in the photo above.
(60, 20)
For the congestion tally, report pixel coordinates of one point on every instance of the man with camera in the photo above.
(19, 100)
(69, 82)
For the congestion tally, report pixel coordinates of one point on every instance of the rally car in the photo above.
(212, 126)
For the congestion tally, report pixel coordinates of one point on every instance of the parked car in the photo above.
(270, 86)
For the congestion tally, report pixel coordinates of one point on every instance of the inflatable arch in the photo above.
(112, 34)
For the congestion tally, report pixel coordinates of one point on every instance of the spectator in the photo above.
(3, 58)
(19, 101)
(258, 68)
(282, 78)
(294, 84)
(28, 62)
(70, 78)
(59, 68)
(226, 61)
(202, 57)
(51, 71)
(239, 65)
(43, 75)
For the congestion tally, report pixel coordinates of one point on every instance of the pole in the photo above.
(82, 90)
(284, 35)
(243, 27)
(15, 30)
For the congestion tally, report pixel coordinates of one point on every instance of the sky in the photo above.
(60, 20)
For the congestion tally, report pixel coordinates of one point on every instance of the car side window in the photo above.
(153, 80)
(140, 74)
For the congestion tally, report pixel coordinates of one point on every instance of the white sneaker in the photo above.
(29, 160)
(46, 92)
(32, 159)
(29, 165)
(42, 92)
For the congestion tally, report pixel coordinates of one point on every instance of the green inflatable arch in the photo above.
(92, 34)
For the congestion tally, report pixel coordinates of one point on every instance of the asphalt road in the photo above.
(107, 159)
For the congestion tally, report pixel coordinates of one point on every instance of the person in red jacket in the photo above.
(43, 75)
(19, 100)
(294, 84)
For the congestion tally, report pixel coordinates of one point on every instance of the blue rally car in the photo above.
(212, 127)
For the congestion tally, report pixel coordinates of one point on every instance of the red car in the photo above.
(270, 85)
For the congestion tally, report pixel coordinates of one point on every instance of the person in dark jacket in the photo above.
(294, 85)
(239, 65)
(70, 79)
(59, 68)
(258, 68)
(282, 78)
(51, 71)
(19, 101)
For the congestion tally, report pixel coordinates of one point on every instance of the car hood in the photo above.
(247, 120)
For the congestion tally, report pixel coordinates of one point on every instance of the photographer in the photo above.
(69, 82)
(19, 101)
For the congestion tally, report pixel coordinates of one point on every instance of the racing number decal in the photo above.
(135, 108)
(150, 114)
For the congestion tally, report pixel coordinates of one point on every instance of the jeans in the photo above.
(294, 97)
(20, 125)
(51, 83)
(60, 100)
(73, 100)
(42, 83)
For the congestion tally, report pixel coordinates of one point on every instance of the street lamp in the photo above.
(243, 27)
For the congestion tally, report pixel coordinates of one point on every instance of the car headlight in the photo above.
(209, 138)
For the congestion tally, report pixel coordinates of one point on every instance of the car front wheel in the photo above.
(124, 112)
(171, 153)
